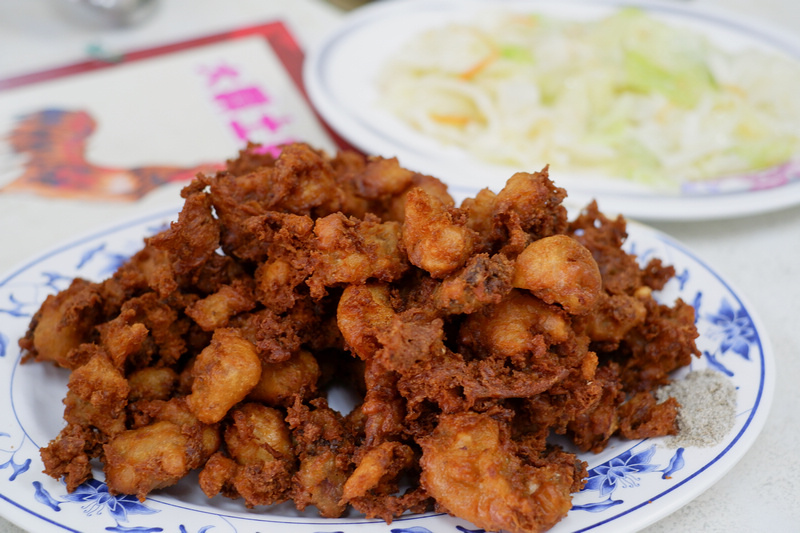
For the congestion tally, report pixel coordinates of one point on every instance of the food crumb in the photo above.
(708, 408)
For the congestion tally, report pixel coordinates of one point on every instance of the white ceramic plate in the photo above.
(638, 482)
(340, 74)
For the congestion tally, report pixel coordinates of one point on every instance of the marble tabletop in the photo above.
(759, 254)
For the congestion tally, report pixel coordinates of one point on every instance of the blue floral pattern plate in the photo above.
(631, 484)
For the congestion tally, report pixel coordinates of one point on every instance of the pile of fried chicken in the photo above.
(470, 335)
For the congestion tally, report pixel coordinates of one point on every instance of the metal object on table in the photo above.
(107, 13)
(348, 5)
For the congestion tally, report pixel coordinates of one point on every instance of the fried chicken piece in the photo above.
(382, 177)
(303, 183)
(352, 251)
(516, 327)
(281, 382)
(97, 395)
(528, 208)
(62, 323)
(362, 313)
(236, 199)
(250, 158)
(590, 430)
(216, 272)
(166, 329)
(152, 383)
(141, 460)
(614, 316)
(515, 341)
(379, 185)
(215, 310)
(656, 274)
(168, 442)
(412, 344)
(558, 269)
(365, 315)
(446, 380)
(69, 455)
(216, 475)
(124, 337)
(641, 417)
(205, 438)
(435, 236)
(384, 408)
(412, 337)
(470, 467)
(300, 182)
(482, 281)
(554, 410)
(319, 482)
(604, 238)
(261, 459)
(663, 343)
(640, 329)
(289, 241)
(148, 269)
(346, 167)
(279, 336)
(395, 207)
(324, 447)
(195, 237)
(374, 485)
(223, 374)
(480, 219)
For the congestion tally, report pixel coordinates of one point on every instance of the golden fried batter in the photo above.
(469, 466)
(224, 373)
(468, 335)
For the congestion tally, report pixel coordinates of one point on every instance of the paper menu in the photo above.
(118, 130)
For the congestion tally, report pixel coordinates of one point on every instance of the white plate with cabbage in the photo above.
(658, 110)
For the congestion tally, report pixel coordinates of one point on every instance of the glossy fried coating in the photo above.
(97, 396)
(528, 208)
(324, 449)
(259, 462)
(515, 327)
(647, 339)
(125, 337)
(470, 467)
(362, 313)
(204, 438)
(194, 238)
(558, 269)
(166, 328)
(483, 280)
(157, 452)
(152, 383)
(467, 334)
(138, 461)
(224, 374)
(436, 237)
(68, 455)
(373, 488)
(215, 310)
(353, 251)
(62, 323)
(280, 383)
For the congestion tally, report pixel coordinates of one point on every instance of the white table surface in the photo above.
(760, 254)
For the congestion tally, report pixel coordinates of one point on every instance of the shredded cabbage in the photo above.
(626, 96)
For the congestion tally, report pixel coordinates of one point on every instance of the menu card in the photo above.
(121, 127)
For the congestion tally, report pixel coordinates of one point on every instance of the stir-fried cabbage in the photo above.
(627, 96)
